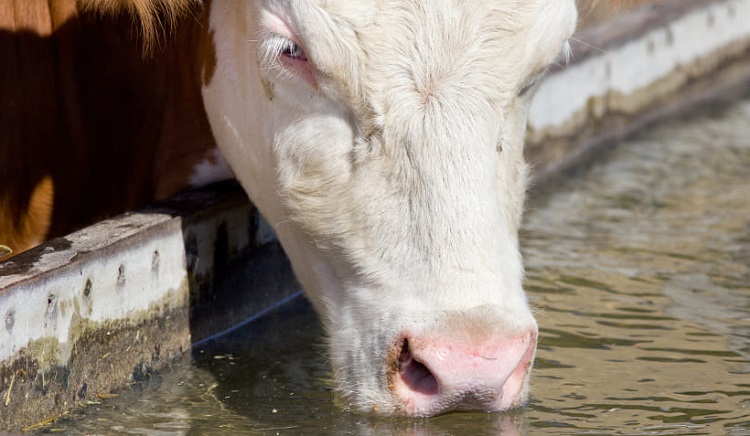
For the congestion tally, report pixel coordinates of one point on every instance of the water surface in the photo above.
(641, 274)
(639, 271)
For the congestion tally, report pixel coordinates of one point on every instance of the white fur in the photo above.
(395, 178)
(213, 169)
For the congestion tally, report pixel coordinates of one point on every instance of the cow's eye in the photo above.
(531, 83)
(292, 50)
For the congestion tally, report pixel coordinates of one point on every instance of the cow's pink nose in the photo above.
(433, 376)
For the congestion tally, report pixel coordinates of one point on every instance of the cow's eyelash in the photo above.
(293, 50)
(276, 46)
(284, 57)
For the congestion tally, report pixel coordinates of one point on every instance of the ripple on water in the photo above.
(653, 276)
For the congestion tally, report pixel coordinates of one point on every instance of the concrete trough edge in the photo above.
(101, 308)
(106, 306)
(632, 70)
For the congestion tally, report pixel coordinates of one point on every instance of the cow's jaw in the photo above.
(383, 142)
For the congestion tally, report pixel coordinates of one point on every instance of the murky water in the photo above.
(640, 272)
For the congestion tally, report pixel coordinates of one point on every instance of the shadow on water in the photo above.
(269, 377)
(276, 374)
(639, 271)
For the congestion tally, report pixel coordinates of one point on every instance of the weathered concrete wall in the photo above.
(633, 69)
(103, 307)
(89, 313)
(108, 305)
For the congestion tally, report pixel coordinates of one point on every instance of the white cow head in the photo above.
(383, 141)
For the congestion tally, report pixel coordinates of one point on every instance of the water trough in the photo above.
(104, 307)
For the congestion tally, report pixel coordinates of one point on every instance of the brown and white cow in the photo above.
(382, 139)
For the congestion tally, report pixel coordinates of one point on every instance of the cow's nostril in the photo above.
(415, 375)
(429, 375)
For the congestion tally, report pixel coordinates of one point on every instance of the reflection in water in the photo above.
(640, 273)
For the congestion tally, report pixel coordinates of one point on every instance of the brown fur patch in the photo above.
(87, 122)
(153, 16)
(32, 227)
(186, 139)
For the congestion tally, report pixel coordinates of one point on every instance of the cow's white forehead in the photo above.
(421, 57)
(362, 43)
(546, 21)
